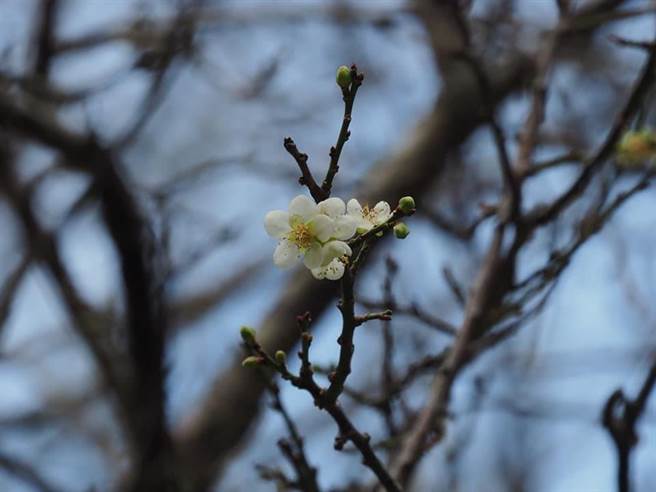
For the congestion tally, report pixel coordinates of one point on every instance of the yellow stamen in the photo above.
(369, 214)
(301, 236)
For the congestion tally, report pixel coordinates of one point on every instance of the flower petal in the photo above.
(381, 212)
(304, 207)
(313, 257)
(345, 227)
(332, 207)
(276, 223)
(334, 270)
(322, 227)
(335, 249)
(319, 273)
(285, 254)
(354, 208)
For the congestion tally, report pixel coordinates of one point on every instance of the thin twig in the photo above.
(306, 178)
(344, 133)
(305, 381)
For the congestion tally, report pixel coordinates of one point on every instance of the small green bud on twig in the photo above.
(281, 357)
(252, 361)
(401, 230)
(247, 334)
(343, 77)
(407, 205)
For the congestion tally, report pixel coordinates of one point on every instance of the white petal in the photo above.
(335, 270)
(354, 208)
(276, 223)
(332, 207)
(322, 227)
(381, 212)
(362, 225)
(335, 249)
(313, 257)
(285, 254)
(304, 207)
(345, 227)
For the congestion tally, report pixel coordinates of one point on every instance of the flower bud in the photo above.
(247, 334)
(407, 204)
(401, 230)
(281, 357)
(343, 77)
(636, 146)
(252, 361)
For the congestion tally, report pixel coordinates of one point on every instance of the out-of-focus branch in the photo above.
(493, 281)
(42, 247)
(185, 311)
(620, 416)
(45, 37)
(146, 328)
(485, 306)
(10, 289)
(26, 473)
(592, 164)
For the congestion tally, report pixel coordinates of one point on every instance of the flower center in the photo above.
(301, 236)
(368, 214)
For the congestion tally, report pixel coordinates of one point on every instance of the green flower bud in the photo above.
(636, 147)
(247, 334)
(252, 361)
(407, 204)
(343, 77)
(281, 357)
(401, 230)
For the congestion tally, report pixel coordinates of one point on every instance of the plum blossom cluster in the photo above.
(316, 233)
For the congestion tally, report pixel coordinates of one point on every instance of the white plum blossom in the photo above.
(315, 232)
(344, 225)
(367, 218)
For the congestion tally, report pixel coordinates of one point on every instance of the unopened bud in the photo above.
(343, 77)
(407, 204)
(247, 334)
(252, 361)
(401, 230)
(636, 147)
(281, 357)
